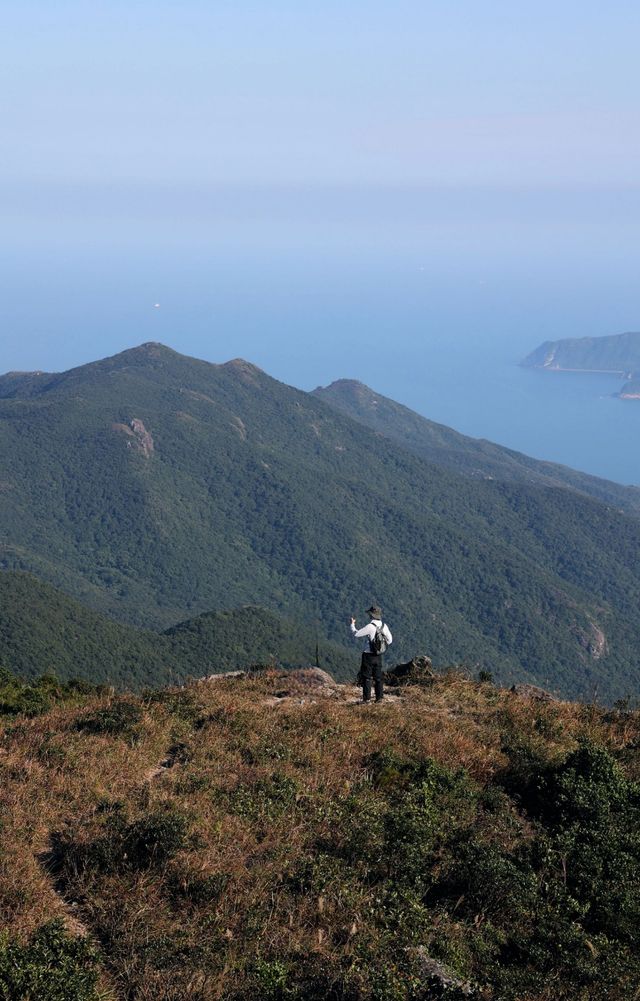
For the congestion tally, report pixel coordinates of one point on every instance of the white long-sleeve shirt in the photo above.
(368, 632)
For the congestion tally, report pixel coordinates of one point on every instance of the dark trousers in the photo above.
(371, 670)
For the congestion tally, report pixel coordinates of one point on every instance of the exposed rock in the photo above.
(597, 646)
(195, 395)
(315, 677)
(143, 437)
(415, 672)
(533, 692)
(442, 976)
(223, 674)
(238, 425)
(592, 640)
(244, 370)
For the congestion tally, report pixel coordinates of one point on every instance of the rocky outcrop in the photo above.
(598, 643)
(238, 425)
(141, 439)
(312, 677)
(417, 671)
(444, 980)
(533, 692)
(593, 640)
(244, 370)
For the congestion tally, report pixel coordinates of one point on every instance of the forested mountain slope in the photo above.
(154, 487)
(43, 631)
(471, 456)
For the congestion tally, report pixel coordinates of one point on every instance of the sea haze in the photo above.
(431, 297)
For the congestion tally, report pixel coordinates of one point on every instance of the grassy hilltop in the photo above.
(264, 837)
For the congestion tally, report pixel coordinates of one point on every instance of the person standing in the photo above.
(377, 637)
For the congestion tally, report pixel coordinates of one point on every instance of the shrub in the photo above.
(148, 842)
(52, 966)
(154, 839)
(120, 719)
(182, 703)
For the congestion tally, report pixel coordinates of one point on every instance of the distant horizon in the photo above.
(412, 197)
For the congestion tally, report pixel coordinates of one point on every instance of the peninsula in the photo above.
(618, 354)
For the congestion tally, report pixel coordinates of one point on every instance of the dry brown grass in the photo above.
(261, 768)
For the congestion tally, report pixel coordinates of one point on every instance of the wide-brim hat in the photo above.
(374, 612)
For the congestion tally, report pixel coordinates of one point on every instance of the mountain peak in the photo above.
(353, 384)
(241, 364)
(246, 371)
(349, 393)
(148, 351)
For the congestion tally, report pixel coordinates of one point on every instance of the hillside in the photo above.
(43, 631)
(227, 640)
(618, 353)
(154, 487)
(473, 457)
(266, 838)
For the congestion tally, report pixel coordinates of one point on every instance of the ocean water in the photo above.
(431, 297)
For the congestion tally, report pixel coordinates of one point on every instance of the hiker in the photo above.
(377, 637)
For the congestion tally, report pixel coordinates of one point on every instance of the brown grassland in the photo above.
(267, 837)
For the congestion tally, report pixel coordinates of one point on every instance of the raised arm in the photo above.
(360, 633)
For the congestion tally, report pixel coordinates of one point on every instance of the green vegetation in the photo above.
(154, 487)
(52, 966)
(23, 698)
(44, 632)
(232, 639)
(473, 457)
(458, 842)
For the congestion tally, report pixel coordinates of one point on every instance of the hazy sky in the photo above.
(414, 91)
(414, 194)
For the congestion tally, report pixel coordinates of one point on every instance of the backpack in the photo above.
(378, 644)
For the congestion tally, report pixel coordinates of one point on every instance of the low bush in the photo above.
(52, 966)
(148, 842)
(120, 719)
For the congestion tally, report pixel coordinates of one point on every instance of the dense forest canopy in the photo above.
(153, 488)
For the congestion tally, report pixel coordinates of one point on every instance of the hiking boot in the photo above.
(380, 700)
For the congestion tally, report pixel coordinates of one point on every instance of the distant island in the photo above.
(618, 354)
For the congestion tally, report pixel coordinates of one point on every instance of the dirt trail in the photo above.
(347, 694)
(162, 766)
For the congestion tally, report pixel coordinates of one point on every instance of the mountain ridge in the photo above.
(258, 493)
(462, 453)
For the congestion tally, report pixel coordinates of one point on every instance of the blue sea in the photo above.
(430, 296)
